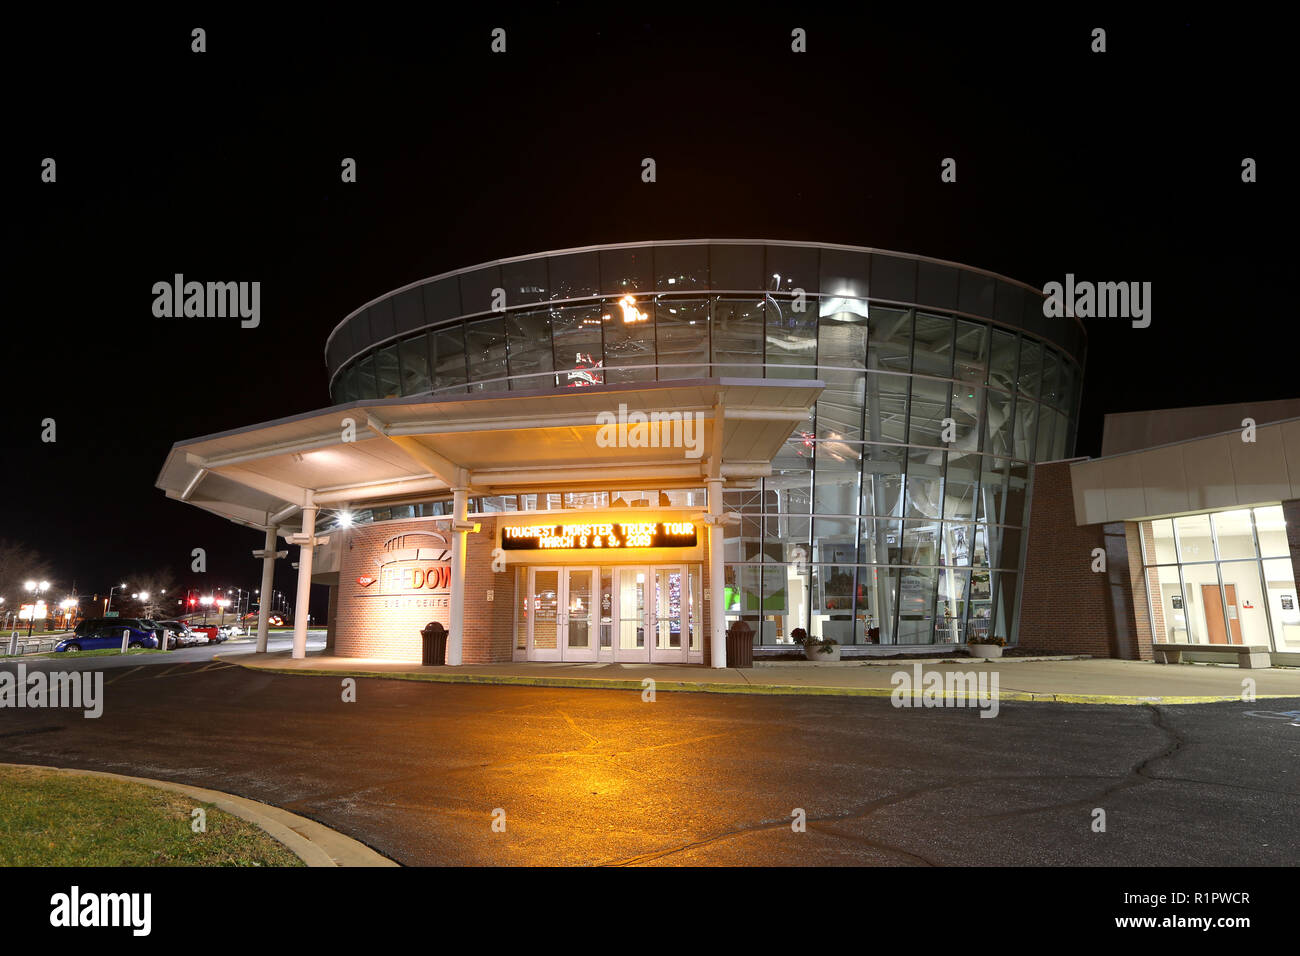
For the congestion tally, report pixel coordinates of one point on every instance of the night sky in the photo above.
(225, 165)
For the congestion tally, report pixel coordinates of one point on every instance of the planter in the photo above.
(987, 651)
(816, 652)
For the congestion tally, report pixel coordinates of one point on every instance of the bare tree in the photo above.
(18, 565)
(157, 605)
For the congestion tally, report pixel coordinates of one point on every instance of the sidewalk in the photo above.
(1061, 680)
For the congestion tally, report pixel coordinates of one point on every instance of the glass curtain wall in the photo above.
(895, 513)
(1223, 577)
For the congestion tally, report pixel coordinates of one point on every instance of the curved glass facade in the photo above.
(896, 512)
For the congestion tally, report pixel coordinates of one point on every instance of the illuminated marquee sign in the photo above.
(613, 535)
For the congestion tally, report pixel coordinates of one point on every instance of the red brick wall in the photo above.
(369, 624)
(1066, 607)
(489, 625)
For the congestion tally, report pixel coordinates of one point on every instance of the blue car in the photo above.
(108, 637)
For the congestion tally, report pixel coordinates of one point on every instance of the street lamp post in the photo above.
(67, 606)
(109, 605)
(206, 600)
(37, 590)
(223, 603)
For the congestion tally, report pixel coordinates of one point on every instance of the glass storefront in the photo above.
(624, 613)
(1222, 577)
(895, 513)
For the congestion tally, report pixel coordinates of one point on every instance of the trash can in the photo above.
(740, 645)
(435, 644)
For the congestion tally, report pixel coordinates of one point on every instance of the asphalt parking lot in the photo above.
(420, 771)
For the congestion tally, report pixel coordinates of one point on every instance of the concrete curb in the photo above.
(313, 843)
(601, 683)
(897, 661)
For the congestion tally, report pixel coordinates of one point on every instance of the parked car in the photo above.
(182, 635)
(107, 636)
(211, 632)
(87, 624)
(232, 630)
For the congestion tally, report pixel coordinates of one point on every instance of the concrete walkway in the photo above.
(1061, 680)
(313, 843)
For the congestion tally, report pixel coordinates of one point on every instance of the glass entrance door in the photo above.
(667, 619)
(562, 623)
(544, 594)
(675, 615)
(579, 643)
(630, 639)
(654, 614)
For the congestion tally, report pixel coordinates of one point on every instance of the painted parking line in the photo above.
(125, 674)
(170, 669)
(215, 665)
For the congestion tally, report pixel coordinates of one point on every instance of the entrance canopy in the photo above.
(634, 436)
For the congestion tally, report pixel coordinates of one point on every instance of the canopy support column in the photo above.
(460, 527)
(717, 576)
(307, 544)
(268, 555)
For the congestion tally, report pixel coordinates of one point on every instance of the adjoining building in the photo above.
(1196, 511)
(610, 453)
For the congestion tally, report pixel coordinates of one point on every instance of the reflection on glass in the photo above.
(929, 409)
(579, 352)
(738, 336)
(580, 611)
(1271, 528)
(972, 352)
(631, 608)
(1233, 534)
(791, 339)
(546, 604)
(413, 354)
(916, 591)
(486, 348)
(950, 611)
(1031, 367)
(1283, 604)
(521, 608)
(449, 357)
(932, 350)
(668, 608)
(1194, 543)
(629, 326)
(386, 371)
(528, 335)
(683, 328)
